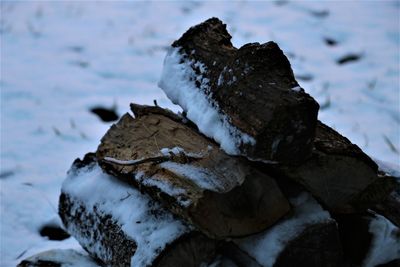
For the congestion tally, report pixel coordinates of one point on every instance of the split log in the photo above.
(339, 175)
(307, 237)
(246, 99)
(119, 226)
(190, 175)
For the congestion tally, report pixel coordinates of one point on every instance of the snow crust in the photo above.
(129, 208)
(385, 242)
(267, 246)
(178, 82)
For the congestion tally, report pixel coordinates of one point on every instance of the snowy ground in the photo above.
(59, 59)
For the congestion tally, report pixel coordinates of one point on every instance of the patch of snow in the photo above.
(65, 257)
(267, 246)
(389, 168)
(175, 150)
(234, 79)
(274, 146)
(296, 88)
(385, 245)
(177, 81)
(165, 187)
(178, 150)
(127, 206)
(200, 176)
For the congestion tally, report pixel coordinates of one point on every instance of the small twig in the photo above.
(137, 161)
(128, 195)
(180, 158)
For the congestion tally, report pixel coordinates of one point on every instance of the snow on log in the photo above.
(385, 245)
(190, 175)
(368, 239)
(246, 99)
(120, 226)
(340, 175)
(307, 237)
(58, 258)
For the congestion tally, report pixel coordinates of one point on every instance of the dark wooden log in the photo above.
(190, 175)
(318, 245)
(339, 174)
(252, 88)
(119, 226)
(307, 237)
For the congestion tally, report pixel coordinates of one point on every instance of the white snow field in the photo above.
(61, 58)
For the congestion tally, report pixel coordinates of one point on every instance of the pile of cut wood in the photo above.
(245, 176)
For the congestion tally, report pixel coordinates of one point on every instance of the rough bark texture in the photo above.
(102, 236)
(191, 249)
(231, 199)
(316, 246)
(108, 234)
(253, 85)
(339, 174)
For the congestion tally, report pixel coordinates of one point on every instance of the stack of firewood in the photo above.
(245, 176)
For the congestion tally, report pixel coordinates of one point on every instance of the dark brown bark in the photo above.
(237, 199)
(253, 85)
(191, 249)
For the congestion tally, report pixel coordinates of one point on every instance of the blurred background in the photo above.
(64, 63)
